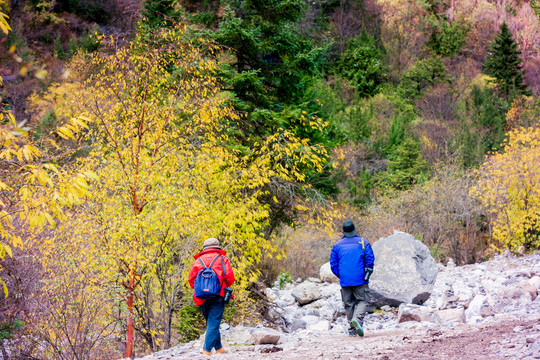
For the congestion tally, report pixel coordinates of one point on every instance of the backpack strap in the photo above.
(222, 266)
(363, 245)
(212, 263)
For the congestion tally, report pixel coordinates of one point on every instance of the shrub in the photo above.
(283, 279)
(48, 122)
(362, 64)
(189, 323)
(447, 38)
(59, 48)
(422, 75)
(90, 41)
(406, 167)
(440, 211)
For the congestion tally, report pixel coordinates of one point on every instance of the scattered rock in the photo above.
(326, 274)
(306, 292)
(265, 336)
(475, 307)
(412, 312)
(456, 315)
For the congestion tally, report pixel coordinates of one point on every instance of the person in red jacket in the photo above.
(213, 308)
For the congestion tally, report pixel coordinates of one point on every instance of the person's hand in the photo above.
(367, 273)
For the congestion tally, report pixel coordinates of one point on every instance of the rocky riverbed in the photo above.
(489, 310)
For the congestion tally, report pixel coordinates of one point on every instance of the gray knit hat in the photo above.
(211, 243)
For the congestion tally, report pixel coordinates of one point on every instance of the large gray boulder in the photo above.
(404, 271)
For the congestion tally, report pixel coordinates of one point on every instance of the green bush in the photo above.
(284, 278)
(489, 114)
(362, 64)
(91, 10)
(406, 167)
(422, 75)
(72, 47)
(447, 39)
(59, 48)
(90, 42)
(190, 322)
(48, 122)
(8, 328)
(359, 188)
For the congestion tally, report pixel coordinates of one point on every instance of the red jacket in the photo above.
(207, 256)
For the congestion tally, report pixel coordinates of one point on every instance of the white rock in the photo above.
(310, 319)
(475, 307)
(270, 294)
(239, 335)
(456, 315)
(265, 336)
(322, 325)
(326, 274)
(535, 282)
(412, 312)
(306, 292)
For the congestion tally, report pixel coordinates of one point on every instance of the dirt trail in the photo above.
(506, 339)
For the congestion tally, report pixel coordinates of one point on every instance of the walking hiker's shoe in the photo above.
(207, 353)
(353, 333)
(221, 351)
(358, 327)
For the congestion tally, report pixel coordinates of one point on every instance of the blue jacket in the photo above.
(348, 260)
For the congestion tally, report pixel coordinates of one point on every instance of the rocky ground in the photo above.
(482, 311)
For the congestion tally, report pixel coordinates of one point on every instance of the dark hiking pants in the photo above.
(212, 310)
(355, 302)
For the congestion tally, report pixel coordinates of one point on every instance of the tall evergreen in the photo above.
(159, 12)
(504, 64)
(269, 67)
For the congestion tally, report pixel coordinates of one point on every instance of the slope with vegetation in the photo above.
(132, 132)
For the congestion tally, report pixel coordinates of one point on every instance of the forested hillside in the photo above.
(131, 131)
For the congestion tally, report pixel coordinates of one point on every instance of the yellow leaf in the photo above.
(41, 74)
(5, 288)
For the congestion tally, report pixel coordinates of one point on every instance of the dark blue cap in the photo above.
(348, 229)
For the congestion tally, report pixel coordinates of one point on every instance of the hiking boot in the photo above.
(358, 327)
(207, 353)
(221, 351)
(353, 333)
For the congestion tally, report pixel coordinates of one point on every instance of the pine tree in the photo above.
(158, 12)
(504, 64)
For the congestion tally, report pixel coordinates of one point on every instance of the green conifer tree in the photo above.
(504, 64)
(159, 12)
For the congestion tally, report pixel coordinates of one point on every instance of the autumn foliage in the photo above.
(509, 186)
(165, 181)
(265, 128)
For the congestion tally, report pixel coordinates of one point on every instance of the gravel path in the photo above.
(503, 338)
(507, 325)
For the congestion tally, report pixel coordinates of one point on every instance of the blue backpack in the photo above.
(207, 282)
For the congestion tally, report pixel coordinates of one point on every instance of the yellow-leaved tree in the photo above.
(509, 187)
(35, 187)
(167, 180)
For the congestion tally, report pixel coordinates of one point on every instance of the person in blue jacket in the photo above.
(352, 261)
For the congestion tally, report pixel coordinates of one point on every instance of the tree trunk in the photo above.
(129, 332)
